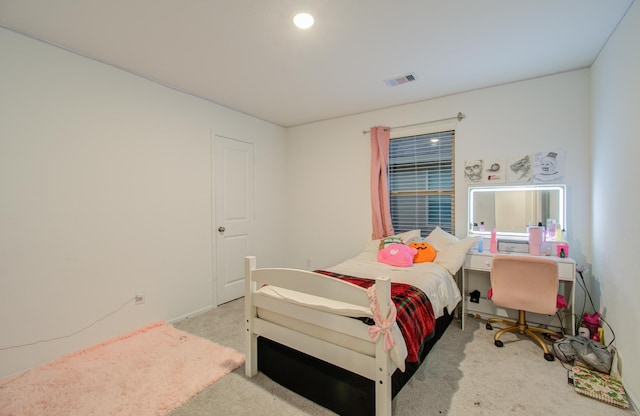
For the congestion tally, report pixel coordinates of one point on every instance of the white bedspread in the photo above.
(431, 278)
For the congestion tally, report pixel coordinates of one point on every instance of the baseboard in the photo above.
(191, 314)
(633, 400)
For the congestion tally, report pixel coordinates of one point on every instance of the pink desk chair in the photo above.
(525, 284)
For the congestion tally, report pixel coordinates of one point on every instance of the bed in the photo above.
(344, 336)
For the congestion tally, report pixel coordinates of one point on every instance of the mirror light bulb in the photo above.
(303, 20)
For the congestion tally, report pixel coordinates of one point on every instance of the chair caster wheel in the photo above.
(489, 327)
(549, 357)
(499, 343)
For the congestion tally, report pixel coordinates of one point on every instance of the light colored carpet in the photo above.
(464, 375)
(147, 372)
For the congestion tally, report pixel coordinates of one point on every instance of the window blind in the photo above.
(421, 182)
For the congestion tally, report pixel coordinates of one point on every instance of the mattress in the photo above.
(433, 279)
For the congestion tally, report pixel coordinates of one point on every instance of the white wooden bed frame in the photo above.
(378, 367)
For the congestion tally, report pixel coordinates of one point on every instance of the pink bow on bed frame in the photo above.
(381, 327)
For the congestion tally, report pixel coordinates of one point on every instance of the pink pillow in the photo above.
(397, 255)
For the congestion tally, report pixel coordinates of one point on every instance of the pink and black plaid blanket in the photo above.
(415, 316)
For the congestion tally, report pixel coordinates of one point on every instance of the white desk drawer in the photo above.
(566, 271)
(478, 262)
(482, 262)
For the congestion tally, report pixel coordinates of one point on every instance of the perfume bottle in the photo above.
(559, 234)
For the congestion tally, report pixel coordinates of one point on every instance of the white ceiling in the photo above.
(247, 55)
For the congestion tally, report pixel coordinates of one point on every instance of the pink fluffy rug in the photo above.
(148, 372)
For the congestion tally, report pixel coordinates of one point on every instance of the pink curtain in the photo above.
(381, 215)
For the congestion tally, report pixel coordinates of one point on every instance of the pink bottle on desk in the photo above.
(493, 248)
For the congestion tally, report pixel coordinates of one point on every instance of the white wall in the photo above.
(616, 201)
(106, 188)
(328, 205)
(105, 180)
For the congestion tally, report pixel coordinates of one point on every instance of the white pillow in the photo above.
(450, 250)
(405, 236)
(373, 245)
(440, 239)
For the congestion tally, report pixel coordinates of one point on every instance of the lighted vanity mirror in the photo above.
(510, 209)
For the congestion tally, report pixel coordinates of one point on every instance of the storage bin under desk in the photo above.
(476, 276)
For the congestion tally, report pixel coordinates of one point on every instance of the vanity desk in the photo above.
(478, 266)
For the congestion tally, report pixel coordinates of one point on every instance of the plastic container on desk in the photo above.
(536, 238)
(562, 247)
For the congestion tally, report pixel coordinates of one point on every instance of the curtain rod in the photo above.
(459, 117)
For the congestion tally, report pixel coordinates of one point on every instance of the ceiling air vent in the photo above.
(400, 80)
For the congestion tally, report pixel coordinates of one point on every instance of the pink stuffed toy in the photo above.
(397, 255)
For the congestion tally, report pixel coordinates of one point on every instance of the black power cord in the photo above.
(584, 287)
(9, 347)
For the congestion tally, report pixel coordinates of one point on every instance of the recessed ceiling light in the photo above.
(303, 20)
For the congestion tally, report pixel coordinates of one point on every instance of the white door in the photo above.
(233, 219)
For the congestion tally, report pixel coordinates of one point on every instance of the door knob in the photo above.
(221, 229)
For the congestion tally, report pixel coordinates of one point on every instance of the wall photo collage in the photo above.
(541, 167)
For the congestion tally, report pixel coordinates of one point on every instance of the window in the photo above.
(421, 182)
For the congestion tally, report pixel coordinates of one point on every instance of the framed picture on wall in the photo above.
(520, 169)
(494, 171)
(473, 171)
(548, 166)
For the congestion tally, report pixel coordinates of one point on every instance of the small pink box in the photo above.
(560, 247)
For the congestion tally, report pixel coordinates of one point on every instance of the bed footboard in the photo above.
(374, 363)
